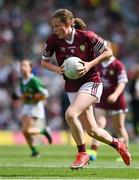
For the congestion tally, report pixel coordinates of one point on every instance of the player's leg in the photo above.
(119, 125)
(102, 135)
(100, 116)
(27, 122)
(39, 128)
(39, 125)
(76, 108)
(92, 128)
(82, 104)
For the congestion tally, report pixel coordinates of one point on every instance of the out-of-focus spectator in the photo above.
(134, 91)
(5, 112)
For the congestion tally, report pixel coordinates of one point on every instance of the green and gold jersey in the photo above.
(32, 86)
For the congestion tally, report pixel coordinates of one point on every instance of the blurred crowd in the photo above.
(24, 26)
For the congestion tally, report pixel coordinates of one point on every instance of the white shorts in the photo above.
(94, 89)
(112, 112)
(33, 110)
(116, 112)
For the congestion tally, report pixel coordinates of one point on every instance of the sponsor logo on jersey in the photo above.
(82, 47)
(72, 50)
(62, 49)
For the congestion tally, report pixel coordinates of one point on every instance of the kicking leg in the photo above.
(119, 125)
(100, 116)
(101, 134)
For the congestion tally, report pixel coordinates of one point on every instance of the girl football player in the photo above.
(33, 92)
(85, 91)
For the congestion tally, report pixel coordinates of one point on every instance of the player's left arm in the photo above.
(39, 97)
(100, 46)
(104, 51)
(121, 83)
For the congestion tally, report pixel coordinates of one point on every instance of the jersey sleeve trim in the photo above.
(122, 78)
(45, 58)
(44, 91)
(100, 45)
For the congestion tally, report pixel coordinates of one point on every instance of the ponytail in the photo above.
(79, 24)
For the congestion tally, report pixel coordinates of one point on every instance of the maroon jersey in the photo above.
(112, 72)
(83, 44)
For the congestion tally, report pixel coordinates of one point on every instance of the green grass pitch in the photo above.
(15, 163)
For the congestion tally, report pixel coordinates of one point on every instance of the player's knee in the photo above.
(70, 115)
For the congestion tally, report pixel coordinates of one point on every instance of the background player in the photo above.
(112, 102)
(33, 93)
(85, 91)
(134, 92)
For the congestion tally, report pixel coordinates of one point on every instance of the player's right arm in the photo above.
(49, 50)
(47, 65)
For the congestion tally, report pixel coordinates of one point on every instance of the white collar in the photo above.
(108, 62)
(25, 81)
(72, 37)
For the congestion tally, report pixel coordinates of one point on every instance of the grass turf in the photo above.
(54, 163)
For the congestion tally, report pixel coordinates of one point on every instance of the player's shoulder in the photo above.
(85, 33)
(87, 36)
(35, 78)
(118, 62)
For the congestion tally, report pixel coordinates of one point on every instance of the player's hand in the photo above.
(84, 69)
(61, 69)
(38, 97)
(112, 98)
(25, 97)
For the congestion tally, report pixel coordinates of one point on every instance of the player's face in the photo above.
(59, 28)
(25, 67)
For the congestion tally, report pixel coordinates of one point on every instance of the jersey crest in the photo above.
(82, 47)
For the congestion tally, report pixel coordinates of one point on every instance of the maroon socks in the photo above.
(81, 148)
